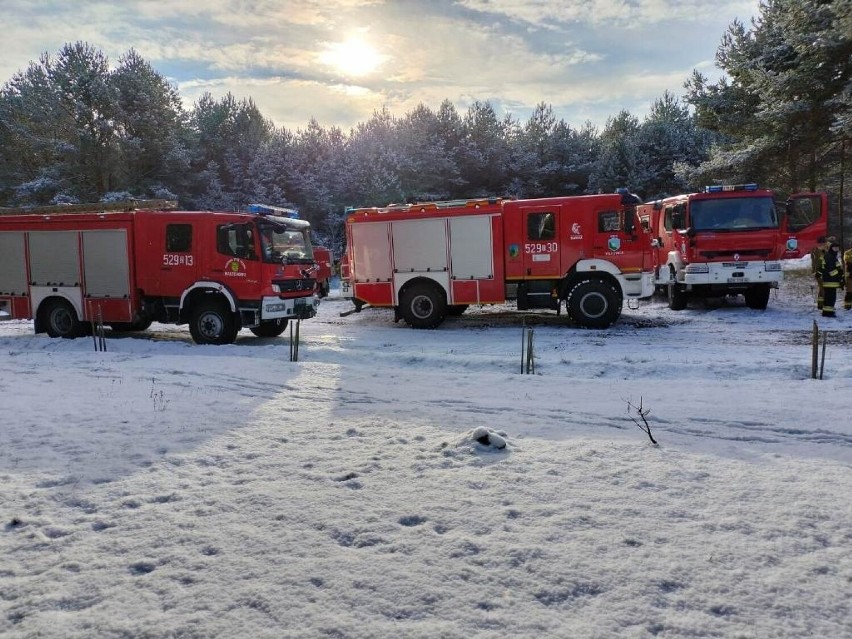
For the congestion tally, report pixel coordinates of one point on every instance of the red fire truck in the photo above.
(430, 260)
(128, 264)
(730, 240)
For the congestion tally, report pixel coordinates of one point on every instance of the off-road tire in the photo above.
(270, 329)
(757, 297)
(212, 322)
(593, 303)
(678, 298)
(423, 305)
(60, 320)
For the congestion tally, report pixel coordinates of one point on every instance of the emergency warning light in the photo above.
(721, 188)
(266, 209)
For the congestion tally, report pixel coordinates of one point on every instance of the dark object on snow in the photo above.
(483, 439)
(487, 437)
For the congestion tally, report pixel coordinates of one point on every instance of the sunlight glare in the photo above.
(353, 57)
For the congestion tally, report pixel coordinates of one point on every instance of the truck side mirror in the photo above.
(677, 220)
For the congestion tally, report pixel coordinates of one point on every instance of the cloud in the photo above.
(291, 103)
(623, 13)
(586, 59)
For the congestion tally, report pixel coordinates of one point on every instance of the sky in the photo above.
(338, 61)
(164, 489)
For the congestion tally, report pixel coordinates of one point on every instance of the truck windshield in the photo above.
(285, 244)
(733, 214)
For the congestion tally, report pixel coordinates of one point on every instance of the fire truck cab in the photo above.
(729, 240)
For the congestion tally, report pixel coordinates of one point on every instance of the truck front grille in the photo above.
(290, 286)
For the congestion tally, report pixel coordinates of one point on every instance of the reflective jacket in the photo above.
(831, 269)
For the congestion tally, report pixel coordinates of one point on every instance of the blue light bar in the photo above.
(719, 188)
(266, 209)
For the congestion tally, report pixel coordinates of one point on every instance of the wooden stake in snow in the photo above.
(527, 357)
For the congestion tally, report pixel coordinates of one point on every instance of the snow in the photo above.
(163, 489)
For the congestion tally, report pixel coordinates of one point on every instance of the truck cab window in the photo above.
(733, 214)
(801, 213)
(282, 243)
(609, 221)
(541, 226)
(178, 238)
(667, 220)
(236, 240)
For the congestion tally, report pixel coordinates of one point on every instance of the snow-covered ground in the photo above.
(162, 489)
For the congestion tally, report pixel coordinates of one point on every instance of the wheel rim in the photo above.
(211, 325)
(60, 320)
(594, 305)
(421, 307)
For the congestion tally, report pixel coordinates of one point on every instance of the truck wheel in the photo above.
(270, 329)
(456, 309)
(423, 306)
(593, 303)
(678, 298)
(212, 323)
(61, 320)
(757, 297)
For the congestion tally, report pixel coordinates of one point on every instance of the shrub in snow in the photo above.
(118, 196)
(162, 193)
(64, 198)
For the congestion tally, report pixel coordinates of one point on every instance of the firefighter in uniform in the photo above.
(847, 265)
(832, 277)
(816, 267)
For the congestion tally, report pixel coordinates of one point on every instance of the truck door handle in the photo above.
(165, 268)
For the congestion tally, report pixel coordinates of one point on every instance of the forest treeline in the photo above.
(75, 129)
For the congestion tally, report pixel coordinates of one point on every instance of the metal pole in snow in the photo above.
(814, 350)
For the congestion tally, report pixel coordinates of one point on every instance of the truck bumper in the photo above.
(272, 308)
(731, 274)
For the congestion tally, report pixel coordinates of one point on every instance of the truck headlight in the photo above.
(276, 288)
(773, 266)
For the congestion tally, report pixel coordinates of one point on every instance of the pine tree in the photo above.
(616, 166)
(151, 127)
(781, 105)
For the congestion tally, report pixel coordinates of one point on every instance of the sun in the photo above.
(353, 57)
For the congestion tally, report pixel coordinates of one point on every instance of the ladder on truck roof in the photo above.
(94, 207)
(422, 207)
